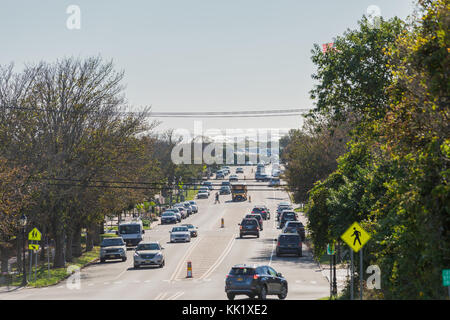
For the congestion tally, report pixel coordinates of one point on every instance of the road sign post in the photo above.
(361, 274)
(352, 274)
(356, 237)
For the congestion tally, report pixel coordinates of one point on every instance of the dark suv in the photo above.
(287, 216)
(295, 227)
(256, 216)
(289, 243)
(249, 227)
(254, 281)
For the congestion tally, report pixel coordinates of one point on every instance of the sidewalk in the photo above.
(341, 276)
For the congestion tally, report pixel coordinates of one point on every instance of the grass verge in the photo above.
(45, 278)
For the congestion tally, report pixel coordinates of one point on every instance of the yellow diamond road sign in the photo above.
(355, 236)
(34, 235)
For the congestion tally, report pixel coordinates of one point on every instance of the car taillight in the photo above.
(255, 277)
(240, 227)
(278, 244)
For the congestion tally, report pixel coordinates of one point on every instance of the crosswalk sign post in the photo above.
(34, 235)
(356, 237)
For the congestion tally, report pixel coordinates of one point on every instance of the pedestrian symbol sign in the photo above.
(34, 235)
(33, 247)
(356, 237)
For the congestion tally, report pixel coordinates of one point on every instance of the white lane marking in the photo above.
(313, 282)
(221, 257)
(182, 261)
(161, 296)
(117, 282)
(176, 296)
(148, 281)
(105, 283)
(90, 284)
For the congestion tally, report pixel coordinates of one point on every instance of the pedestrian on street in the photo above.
(217, 198)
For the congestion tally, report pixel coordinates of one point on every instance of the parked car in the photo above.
(180, 234)
(148, 254)
(225, 190)
(249, 227)
(208, 184)
(204, 188)
(168, 217)
(203, 194)
(226, 183)
(286, 215)
(239, 170)
(192, 229)
(295, 227)
(220, 175)
(289, 243)
(179, 210)
(194, 206)
(256, 216)
(113, 248)
(233, 177)
(254, 281)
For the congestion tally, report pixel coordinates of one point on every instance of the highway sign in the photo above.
(34, 235)
(446, 277)
(33, 246)
(355, 236)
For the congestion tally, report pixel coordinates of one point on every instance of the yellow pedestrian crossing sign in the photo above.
(33, 247)
(355, 236)
(34, 235)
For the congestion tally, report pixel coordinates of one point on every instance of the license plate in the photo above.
(240, 279)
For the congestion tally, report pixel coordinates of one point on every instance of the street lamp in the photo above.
(23, 223)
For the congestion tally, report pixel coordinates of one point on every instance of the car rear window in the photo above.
(289, 215)
(289, 239)
(249, 221)
(242, 271)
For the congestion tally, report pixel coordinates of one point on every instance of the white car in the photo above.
(149, 254)
(180, 234)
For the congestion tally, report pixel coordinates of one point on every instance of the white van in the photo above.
(131, 232)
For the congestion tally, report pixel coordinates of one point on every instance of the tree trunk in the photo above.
(4, 255)
(59, 251)
(98, 231)
(69, 240)
(76, 243)
(89, 239)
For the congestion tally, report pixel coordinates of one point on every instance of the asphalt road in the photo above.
(212, 254)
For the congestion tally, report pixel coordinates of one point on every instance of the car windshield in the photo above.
(128, 229)
(189, 226)
(148, 246)
(192, 202)
(168, 214)
(289, 239)
(242, 271)
(179, 229)
(112, 242)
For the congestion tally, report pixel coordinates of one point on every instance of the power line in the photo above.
(219, 114)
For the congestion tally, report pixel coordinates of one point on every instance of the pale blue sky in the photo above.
(193, 55)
